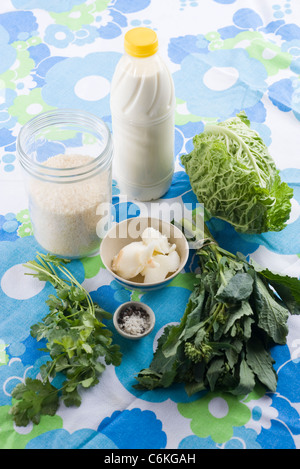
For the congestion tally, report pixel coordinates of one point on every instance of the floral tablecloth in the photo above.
(225, 56)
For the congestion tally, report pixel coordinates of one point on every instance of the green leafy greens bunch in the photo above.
(233, 317)
(234, 176)
(78, 342)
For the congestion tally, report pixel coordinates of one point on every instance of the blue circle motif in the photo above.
(194, 442)
(58, 35)
(246, 18)
(9, 167)
(57, 6)
(134, 429)
(225, 2)
(14, 328)
(8, 158)
(73, 69)
(10, 226)
(204, 101)
(61, 439)
(256, 413)
(12, 20)
(86, 35)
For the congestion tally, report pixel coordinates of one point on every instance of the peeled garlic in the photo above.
(160, 241)
(162, 265)
(153, 257)
(132, 259)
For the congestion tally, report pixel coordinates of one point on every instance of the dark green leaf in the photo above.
(238, 288)
(34, 398)
(100, 313)
(236, 313)
(147, 379)
(246, 379)
(194, 387)
(288, 288)
(272, 317)
(71, 399)
(214, 371)
(189, 324)
(261, 363)
(221, 345)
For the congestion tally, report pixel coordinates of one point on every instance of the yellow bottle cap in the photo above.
(141, 42)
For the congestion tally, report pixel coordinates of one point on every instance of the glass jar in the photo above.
(66, 156)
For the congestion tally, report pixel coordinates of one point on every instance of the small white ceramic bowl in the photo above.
(130, 230)
(140, 306)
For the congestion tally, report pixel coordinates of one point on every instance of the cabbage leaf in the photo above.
(233, 175)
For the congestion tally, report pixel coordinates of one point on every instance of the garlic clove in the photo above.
(164, 264)
(161, 243)
(173, 261)
(172, 248)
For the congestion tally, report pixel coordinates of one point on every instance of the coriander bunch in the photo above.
(76, 340)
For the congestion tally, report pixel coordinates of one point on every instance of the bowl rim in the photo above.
(143, 305)
(149, 284)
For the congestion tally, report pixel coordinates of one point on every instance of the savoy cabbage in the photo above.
(233, 175)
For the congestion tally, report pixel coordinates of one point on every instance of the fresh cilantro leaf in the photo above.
(34, 398)
(75, 339)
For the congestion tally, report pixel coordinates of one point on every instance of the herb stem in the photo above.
(44, 271)
(73, 280)
(219, 309)
(47, 265)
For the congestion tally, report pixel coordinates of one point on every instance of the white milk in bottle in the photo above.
(142, 108)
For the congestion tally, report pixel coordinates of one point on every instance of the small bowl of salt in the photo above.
(134, 320)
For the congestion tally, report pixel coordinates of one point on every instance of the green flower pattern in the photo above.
(80, 15)
(26, 106)
(215, 415)
(15, 439)
(25, 229)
